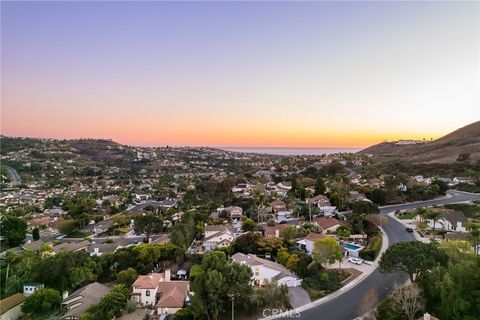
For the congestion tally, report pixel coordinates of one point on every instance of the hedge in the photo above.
(372, 250)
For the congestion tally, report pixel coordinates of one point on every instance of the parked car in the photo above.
(355, 260)
(283, 222)
(409, 229)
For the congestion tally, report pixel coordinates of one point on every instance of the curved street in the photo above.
(346, 305)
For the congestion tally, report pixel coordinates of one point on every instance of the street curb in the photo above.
(342, 290)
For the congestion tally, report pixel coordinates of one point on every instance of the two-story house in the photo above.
(217, 236)
(159, 291)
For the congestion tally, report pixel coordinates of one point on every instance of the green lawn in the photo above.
(406, 215)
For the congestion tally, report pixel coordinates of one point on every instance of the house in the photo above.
(427, 316)
(266, 271)
(450, 220)
(278, 205)
(241, 187)
(99, 227)
(284, 215)
(328, 225)
(285, 185)
(33, 245)
(323, 203)
(11, 307)
(234, 212)
(159, 291)
(30, 288)
(113, 200)
(375, 182)
(217, 236)
(82, 299)
(72, 246)
(306, 244)
(357, 196)
(319, 200)
(275, 231)
(458, 180)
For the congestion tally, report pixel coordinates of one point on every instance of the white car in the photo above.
(355, 260)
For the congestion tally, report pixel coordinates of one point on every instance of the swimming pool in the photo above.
(352, 247)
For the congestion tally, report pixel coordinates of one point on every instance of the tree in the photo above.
(183, 232)
(127, 277)
(36, 234)
(432, 215)
(377, 195)
(67, 226)
(343, 232)
(289, 233)
(474, 229)
(413, 258)
(41, 301)
(148, 224)
(217, 278)
(113, 303)
(359, 207)
(326, 250)
(408, 299)
(14, 230)
(377, 219)
(320, 186)
(247, 243)
(248, 225)
(453, 292)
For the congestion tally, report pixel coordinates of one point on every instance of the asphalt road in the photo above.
(14, 176)
(346, 305)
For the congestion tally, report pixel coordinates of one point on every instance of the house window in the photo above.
(147, 293)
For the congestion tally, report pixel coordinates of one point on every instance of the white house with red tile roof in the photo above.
(157, 290)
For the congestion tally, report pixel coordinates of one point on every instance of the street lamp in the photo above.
(232, 296)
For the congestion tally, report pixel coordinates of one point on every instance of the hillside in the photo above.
(447, 149)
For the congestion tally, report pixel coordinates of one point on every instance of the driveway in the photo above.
(298, 296)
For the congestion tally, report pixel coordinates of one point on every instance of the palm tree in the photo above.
(474, 236)
(421, 212)
(432, 215)
(260, 200)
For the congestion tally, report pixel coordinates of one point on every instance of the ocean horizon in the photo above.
(292, 151)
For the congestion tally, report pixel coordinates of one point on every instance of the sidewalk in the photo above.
(348, 286)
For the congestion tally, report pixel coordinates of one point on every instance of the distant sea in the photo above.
(290, 151)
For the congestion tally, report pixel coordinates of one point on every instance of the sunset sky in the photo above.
(239, 74)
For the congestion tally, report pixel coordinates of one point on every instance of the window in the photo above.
(147, 293)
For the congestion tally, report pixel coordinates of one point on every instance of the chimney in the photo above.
(277, 233)
(167, 275)
(65, 295)
(426, 316)
(96, 250)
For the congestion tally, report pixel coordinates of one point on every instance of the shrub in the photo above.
(373, 248)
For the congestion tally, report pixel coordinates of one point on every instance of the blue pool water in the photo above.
(351, 246)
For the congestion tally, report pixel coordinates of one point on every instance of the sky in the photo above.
(296, 74)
